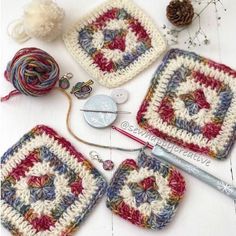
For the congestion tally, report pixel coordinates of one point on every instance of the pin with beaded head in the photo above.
(107, 164)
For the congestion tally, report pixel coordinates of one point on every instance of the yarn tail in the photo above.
(11, 94)
(17, 32)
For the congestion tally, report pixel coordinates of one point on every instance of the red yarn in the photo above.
(129, 213)
(207, 80)
(148, 182)
(131, 163)
(140, 32)
(211, 130)
(200, 99)
(118, 43)
(107, 16)
(177, 183)
(43, 223)
(24, 166)
(76, 187)
(166, 110)
(103, 63)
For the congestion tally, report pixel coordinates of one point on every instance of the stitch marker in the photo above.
(107, 164)
(82, 89)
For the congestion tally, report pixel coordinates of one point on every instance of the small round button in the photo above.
(120, 95)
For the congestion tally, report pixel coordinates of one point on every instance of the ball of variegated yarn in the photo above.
(42, 19)
(32, 72)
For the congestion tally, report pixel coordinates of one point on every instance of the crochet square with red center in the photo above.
(146, 193)
(192, 103)
(115, 42)
(47, 187)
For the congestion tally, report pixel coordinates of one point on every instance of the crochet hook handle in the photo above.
(202, 175)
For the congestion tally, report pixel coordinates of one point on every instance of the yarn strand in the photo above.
(11, 94)
(17, 32)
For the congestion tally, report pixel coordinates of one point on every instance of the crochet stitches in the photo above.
(114, 42)
(192, 102)
(146, 193)
(47, 187)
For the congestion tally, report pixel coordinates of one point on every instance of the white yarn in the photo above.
(42, 19)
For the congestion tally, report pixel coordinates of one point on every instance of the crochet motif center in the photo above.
(145, 191)
(47, 186)
(114, 40)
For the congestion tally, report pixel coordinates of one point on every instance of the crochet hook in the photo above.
(148, 145)
(189, 168)
(112, 112)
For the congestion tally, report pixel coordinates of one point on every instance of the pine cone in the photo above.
(180, 12)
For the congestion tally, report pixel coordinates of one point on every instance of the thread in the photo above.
(32, 72)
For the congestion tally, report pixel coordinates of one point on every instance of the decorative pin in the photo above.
(64, 82)
(107, 164)
(82, 89)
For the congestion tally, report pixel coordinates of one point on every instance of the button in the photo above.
(120, 95)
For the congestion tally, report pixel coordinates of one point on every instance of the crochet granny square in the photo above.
(146, 193)
(115, 42)
(192, 103)
(47, 187)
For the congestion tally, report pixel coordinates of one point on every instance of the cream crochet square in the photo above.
(192, 103)
(114, 42)
(47, 187)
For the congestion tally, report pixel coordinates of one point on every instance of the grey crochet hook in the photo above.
(202, 175)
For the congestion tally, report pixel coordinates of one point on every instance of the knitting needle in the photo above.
(112, 112)
(189, 168)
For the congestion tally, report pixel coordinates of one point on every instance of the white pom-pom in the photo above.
(42, 19)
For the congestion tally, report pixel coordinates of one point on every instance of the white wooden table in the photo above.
(203, 211)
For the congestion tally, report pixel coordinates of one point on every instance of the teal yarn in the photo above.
(32, 72)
